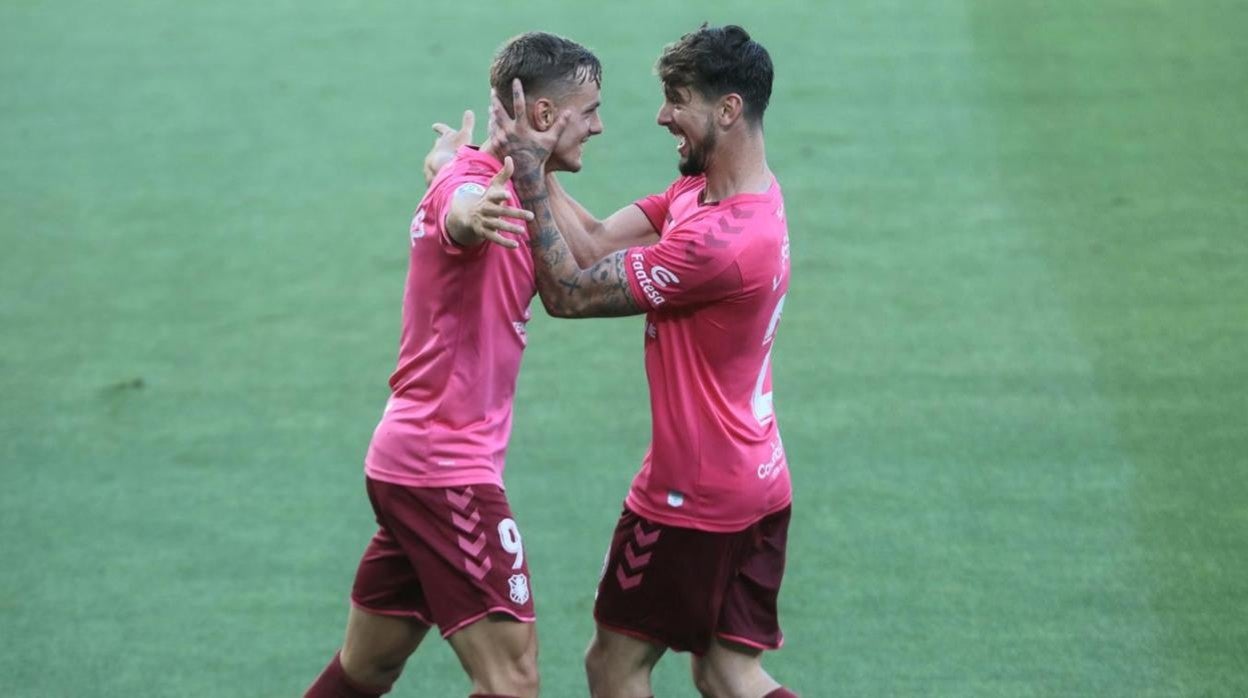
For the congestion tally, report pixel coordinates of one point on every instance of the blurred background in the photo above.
(1012, 374)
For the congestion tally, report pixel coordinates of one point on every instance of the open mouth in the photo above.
(682, 145)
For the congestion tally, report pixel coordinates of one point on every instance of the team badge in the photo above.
(519, 588)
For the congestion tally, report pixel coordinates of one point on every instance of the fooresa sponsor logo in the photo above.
(647, 284)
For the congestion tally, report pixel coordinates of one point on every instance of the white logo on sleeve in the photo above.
(663, 277)
(646, 281)
(675, 499)
(519, 587)
(470, 188)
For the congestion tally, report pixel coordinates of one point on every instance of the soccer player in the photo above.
(698, 553)
(448, 550)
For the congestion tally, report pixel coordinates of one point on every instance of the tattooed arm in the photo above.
(591, 239)
(567, 289)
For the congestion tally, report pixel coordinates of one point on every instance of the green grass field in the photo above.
(1012, 374)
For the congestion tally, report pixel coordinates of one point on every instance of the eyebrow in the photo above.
(593, 106)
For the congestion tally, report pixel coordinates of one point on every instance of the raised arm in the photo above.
(448, 141)
(480, 213)
(566, 289)
(591, 239)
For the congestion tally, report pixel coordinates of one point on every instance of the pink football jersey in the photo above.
(714, 285)
(464, 315)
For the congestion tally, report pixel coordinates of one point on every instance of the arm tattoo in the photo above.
(565, 288)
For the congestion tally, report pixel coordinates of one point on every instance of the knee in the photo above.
(596, 666)
(593, 659)
(524, 674)
(513, 673)
(706, 680)
(375, 672)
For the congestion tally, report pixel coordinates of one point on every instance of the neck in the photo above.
(740, 167)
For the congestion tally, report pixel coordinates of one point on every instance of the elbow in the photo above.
(563, 308)
(555, 307)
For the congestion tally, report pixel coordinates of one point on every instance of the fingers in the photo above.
(498, 239)
(497, 111)
(492, 226)
(499, 225)
(517, 100)
(495, 210)
(464, 133)
(504, 174)
(465, 127)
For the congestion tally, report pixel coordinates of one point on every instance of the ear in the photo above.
(729, 109)
(543, 114)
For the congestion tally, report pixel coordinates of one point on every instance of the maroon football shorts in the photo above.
(680, 587)
(443, 555)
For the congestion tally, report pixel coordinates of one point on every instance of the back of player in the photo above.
(464, 317)
(443, 436)
(447, 551)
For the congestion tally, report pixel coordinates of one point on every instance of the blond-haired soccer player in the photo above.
(448, 551)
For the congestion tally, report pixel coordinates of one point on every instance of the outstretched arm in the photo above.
(480, 213)
(448, 141)
(566, 289)
(591, 239)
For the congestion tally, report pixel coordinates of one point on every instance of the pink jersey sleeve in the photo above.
(655, 207)
(431, 218)
(658, 207)
(688, 266)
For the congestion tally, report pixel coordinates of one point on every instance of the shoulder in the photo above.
(469, 166)
(686, 185)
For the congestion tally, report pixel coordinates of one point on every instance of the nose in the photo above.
(665, 114)
(595, 126)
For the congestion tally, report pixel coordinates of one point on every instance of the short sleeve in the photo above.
(688, 266)
(655, 208)
(658, 207)
(431, 217)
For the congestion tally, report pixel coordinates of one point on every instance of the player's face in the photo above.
(583, 102)
(688, 116)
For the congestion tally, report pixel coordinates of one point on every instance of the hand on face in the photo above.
(516, 136)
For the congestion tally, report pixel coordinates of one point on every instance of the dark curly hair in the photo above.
(716, 61)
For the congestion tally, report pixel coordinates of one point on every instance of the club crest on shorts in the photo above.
(519, 588)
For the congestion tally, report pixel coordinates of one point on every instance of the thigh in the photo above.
(465, 549)
(386, 583)
(749, 615)
(664, 584)
(619, 665)
(729, 670)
